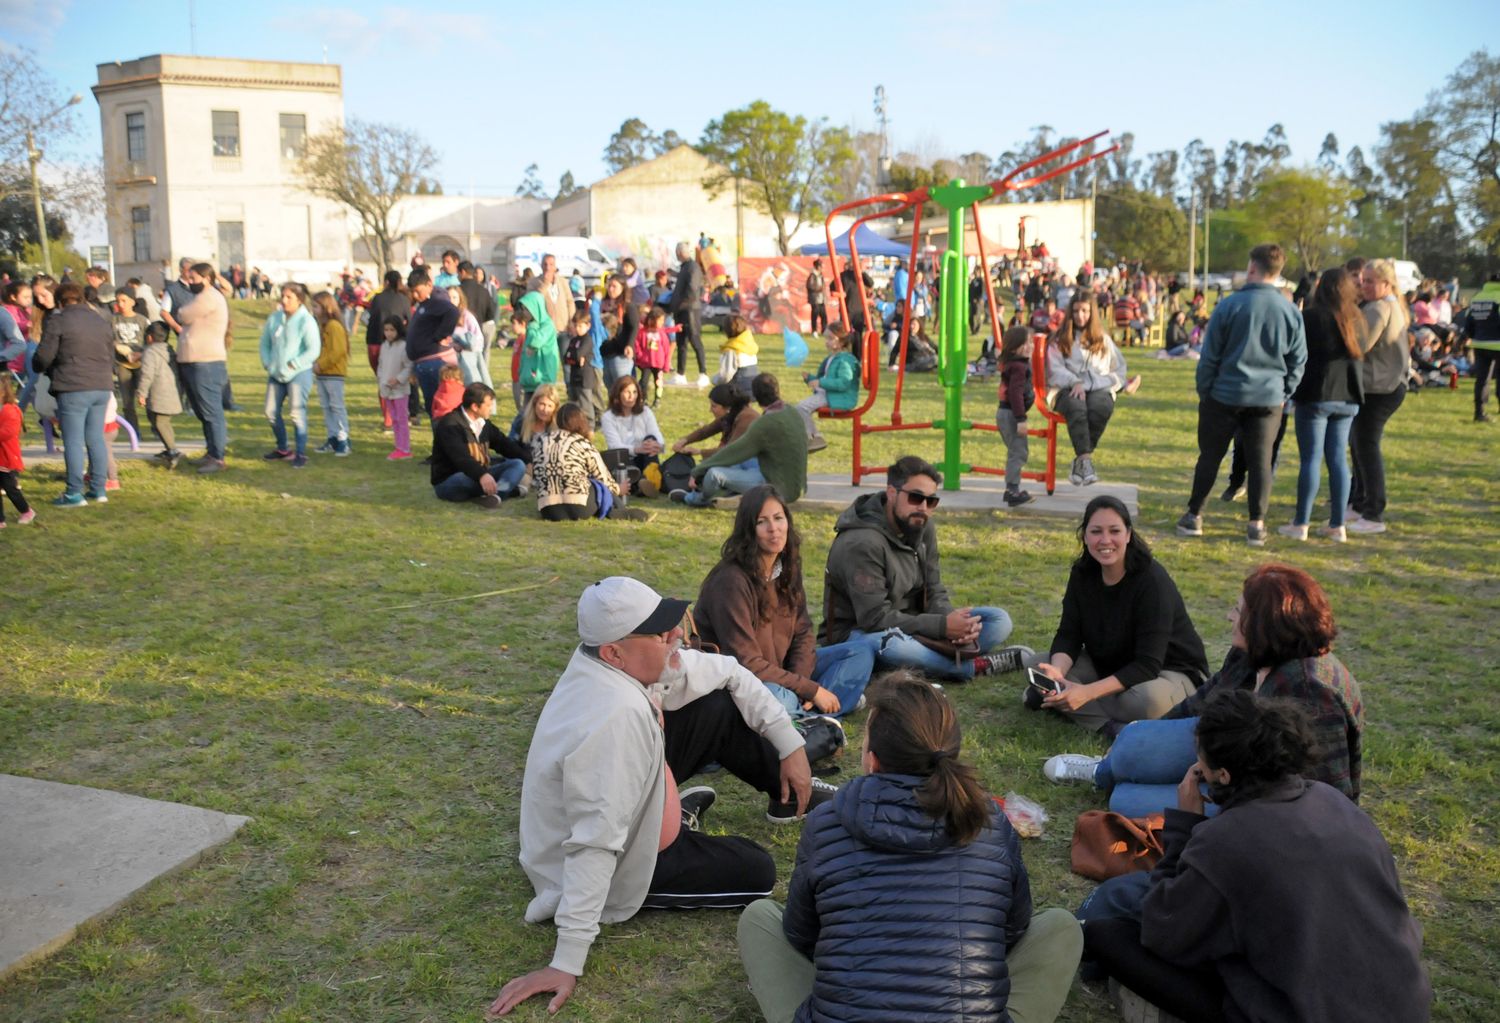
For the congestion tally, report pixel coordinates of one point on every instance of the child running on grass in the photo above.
(394, 373)
(653, 351)
(10, 452)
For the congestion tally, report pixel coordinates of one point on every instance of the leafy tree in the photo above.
(1328, 154)
(566, 187)
(1418, 195)
(793, 165)
(531, 186)
(18, 218)
(1307, 211)
(367, 167)
(1203, 168)
(1133, 224)
(1161, 173)
(27, 94)
(635, 143)
(1467, 115)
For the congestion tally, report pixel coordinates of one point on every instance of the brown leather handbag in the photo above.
(1107, 844)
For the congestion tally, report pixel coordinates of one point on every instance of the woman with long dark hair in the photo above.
(1327, 399)
(732, 415)
(1087, 369)
(1125, 648)
(753, 607)
(909, 900)
(1286, 905)
(1281, 645)
(618, 352)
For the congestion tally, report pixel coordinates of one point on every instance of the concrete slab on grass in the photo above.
(979, 493)
(33, 454)
(70, 854)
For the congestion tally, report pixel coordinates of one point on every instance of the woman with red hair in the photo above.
(1281, 646)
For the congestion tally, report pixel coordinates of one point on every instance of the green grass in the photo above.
(230, 642)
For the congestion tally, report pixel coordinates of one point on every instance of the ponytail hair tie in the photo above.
(938, 756)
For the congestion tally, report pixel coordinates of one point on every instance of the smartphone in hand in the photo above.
(1042, 682)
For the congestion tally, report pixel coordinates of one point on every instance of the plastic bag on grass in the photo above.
(1027, 817)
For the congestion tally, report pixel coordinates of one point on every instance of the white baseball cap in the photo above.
(619, 606)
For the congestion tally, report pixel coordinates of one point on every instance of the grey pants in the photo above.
(1087, 417)
(1017, 445)
(1143, 701)
(1041, 965)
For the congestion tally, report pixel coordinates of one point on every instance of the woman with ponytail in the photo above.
(1285, 906)
(911, 863)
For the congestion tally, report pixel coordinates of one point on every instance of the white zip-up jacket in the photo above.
(594, 789)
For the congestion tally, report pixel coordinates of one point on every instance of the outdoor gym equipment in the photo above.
(953, 324)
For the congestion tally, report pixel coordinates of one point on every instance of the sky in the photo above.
(496, 87)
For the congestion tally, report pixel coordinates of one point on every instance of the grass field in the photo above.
(281, 644)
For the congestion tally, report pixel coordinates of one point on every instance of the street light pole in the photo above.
(34, 155)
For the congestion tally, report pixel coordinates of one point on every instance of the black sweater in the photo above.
(456, 449)
(1132, 630)
(1330, 374)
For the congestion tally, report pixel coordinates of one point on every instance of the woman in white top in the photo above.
(1085, 369)
(630, 425)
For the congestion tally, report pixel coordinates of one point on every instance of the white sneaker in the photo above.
(1350, 515)
(1293, 530)
(1075, 477)
(703, 381)
(1337, 534)
(1365, 526)
(678, 380)
(1071, 767)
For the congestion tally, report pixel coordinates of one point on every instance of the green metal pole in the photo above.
(953, 325)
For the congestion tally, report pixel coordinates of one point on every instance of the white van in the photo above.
(1408, 275)
(573, 253)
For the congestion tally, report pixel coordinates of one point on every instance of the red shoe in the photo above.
(396, 456)
(111, 484)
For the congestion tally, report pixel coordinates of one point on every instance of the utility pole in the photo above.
(1205, 244)
(1193, 240)
(34, 156)
(883, 161)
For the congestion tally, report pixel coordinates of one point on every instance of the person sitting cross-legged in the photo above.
(909, 900)
(883, 585)
(602, 822)
(462, 469)
(773, 450)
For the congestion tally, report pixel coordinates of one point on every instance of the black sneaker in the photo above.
(678, 495)
(1011, 658)
(279, 455)
(1014, 498)
(1232, 492)
(778, 812)
(489, 501)
(326, 448)
(1190, 525)
(1031, 697)
(695, 803)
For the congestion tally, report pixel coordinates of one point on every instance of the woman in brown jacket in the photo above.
(754, 608)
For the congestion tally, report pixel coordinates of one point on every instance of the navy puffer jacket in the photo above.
(902, 925)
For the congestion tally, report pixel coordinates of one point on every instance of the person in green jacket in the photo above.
(773, 450)
(835, 385)
(539, 359)
(289, 346)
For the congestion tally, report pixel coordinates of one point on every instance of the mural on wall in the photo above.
(773, 293)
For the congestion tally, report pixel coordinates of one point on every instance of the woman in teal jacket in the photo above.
(539, 356)
(289, 345)
(835, 386)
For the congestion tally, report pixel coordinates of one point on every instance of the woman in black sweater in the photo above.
(1125, 648)
(618, 352)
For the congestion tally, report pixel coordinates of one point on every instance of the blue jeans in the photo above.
(205, 383)
(82, 416)
(1145, 765)
(28, 389)
(1323, 433)
(895, 649)
(615, 367)
(426, 373)
(335, 414)
(507, 473)
(277, 393)
(843, 669)
(726, 480)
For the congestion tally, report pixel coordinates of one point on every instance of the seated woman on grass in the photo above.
(909, 900)
(753, 607)
(569, 476)
(630, 426)
(1284, 906)
(1281, 646)
(1125, 648)
(732, 415)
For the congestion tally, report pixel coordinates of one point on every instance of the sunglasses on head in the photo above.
(917, 497)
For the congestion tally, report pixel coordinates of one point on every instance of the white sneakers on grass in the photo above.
(1077, 768)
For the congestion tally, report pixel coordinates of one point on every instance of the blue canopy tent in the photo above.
(869, 243)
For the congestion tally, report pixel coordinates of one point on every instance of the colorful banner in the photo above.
(773, 293)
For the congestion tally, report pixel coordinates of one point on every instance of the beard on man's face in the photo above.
(911, 524)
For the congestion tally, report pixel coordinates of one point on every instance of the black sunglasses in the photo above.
(917, 497)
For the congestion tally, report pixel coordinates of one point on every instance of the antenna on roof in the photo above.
(192, 29)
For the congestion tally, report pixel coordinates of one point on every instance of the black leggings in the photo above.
(1190, 994)
(1367, 490)
(10, 482)
(571, 512)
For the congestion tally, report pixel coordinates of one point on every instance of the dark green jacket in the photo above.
(876, 581)
(779, 440)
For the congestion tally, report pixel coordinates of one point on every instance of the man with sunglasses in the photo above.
(604, 830)
(883, 583)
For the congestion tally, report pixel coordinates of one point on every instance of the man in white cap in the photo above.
(604, 831)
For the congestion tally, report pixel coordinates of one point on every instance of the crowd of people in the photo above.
(909, 897)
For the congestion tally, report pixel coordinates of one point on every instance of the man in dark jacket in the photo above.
(883, 583)
(429, 333)
(481, 304)
(686, 306)
(77, 354)
(462, 469)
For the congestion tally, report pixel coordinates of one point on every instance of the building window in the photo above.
(140, 233)
(135, 137)
(293, 136)
(226, 132)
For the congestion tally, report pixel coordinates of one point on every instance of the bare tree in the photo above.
(27, 95)
(367, 167)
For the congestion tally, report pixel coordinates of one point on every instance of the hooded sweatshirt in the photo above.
(876, 579)
(539, 353)
(901, 924)
(289, 345)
